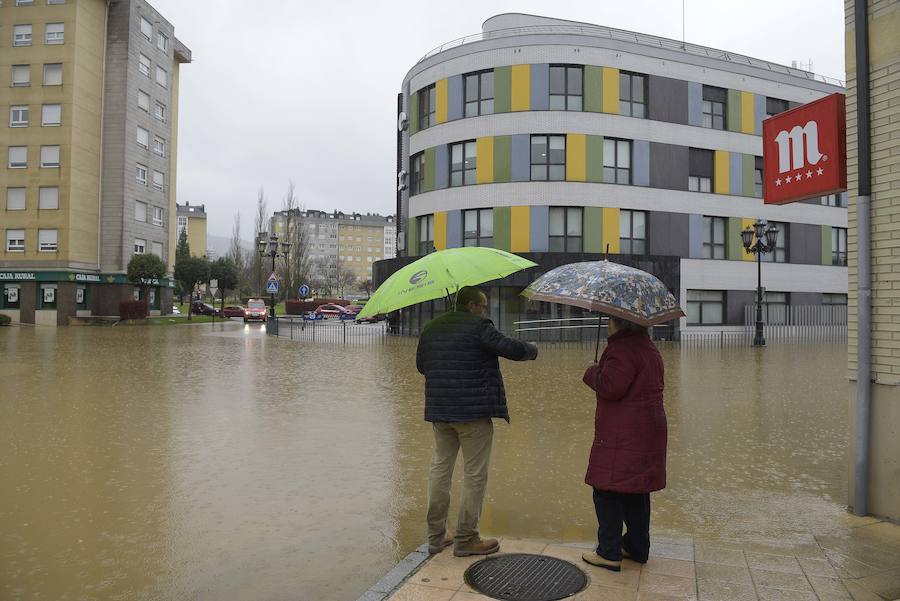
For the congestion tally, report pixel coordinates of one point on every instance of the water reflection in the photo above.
(211, 462)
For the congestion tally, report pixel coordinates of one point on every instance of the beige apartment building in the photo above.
(88, 92)
(340, 241)
(192, 218)
(884, 82)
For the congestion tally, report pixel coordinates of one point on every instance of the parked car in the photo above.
(233, 311)
(201, 308)
(255, 310)
(353, 309)
(330, 310)
(371, 319)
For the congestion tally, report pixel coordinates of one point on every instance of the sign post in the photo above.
(303, 291)
(272, 287)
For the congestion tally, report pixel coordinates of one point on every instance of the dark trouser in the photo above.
(614, 508)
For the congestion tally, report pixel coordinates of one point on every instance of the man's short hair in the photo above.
(469, 294)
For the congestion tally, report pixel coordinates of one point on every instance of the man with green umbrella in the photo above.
(458, 355)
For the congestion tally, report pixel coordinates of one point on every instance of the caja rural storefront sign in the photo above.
(804, 151)
(88, 278)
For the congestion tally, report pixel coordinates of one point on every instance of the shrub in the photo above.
(133, 309)
(5, 320)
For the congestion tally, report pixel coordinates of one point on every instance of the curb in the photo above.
(392, 580)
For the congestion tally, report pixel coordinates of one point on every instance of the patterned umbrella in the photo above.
(610, 288)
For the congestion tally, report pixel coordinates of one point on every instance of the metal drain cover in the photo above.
(525, 577)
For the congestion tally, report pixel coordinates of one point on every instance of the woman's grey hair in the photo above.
(630, 326)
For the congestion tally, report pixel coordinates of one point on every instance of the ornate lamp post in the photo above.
(269, 247)
(765, 240)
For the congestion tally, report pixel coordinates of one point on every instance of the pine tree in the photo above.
(183, 249)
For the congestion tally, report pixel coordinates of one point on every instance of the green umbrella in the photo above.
(441, 274)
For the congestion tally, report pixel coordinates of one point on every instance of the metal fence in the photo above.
(330, 331)
(800, 323)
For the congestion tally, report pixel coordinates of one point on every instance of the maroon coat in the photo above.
(629, 450)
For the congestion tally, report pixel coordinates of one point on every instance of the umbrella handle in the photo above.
(597, 348)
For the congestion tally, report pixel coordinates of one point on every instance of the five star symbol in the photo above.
(789, 179)
(808, 174)
(778, 182)
(819, 171)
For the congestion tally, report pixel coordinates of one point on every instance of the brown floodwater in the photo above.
(213, 463)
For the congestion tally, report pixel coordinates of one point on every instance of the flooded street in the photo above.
(200, 463)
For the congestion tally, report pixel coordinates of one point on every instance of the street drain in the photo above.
(523, 576)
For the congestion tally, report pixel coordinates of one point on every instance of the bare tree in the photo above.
(261, 226)
(344, 280)
(295, 267)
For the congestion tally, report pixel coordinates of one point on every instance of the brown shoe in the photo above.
(448, 540)
(601, 562)
(477, 547)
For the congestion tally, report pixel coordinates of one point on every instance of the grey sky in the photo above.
(285, 90)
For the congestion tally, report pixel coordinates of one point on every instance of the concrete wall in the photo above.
(804, 243)
(669, 234)
(669, 166)
(668, 99)
(884, 57)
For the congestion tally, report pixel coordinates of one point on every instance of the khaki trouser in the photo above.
(475, 438)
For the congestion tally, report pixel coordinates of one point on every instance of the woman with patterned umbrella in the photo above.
(628, 456)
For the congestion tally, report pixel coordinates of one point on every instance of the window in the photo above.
(159, 146)
(55, 33)
(49, 156)
(834, 299)
(24, 2)
(479, 93)
(714, 101)
(140, 174)
(156, 249)
(426, 234)
(832, 200)
(705, 307)
(162, 42)
(158, 180)
(51, 115)
(18, 116)
(159, 111)
(144, 100)
(565, 229)
(56, 1)
(616, 161)
(462, 163)
(158, 214)
(162, 76)
(714, 237)
(566, 88)
(81, 296)
(632, 95)
(53, 74)
(10, 298)
(632, 232)
(49, 198)
(775, 106)
(839, 246)
(47, 241)
(548, 158)
(144, 65)
(478, 227)
(48, 296)
(15, 199)
(182, 224)
(758, 176)
(143, 137)
(775, 305)
(140, 211)
(146, 28)
(700, 170)
(21, 35)
(21, 76)
(139, 246)
(18, 157)
(779, 255)
(417, 173)
(426, 106)
(15, 240)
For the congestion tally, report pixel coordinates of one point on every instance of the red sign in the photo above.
(805, 151)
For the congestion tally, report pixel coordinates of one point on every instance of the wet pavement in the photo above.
(211, 462)
(859, 560)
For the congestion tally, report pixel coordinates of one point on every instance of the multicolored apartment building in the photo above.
(567, 141)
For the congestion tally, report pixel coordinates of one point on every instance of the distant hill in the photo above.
(222, 244)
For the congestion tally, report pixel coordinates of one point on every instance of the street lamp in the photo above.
(268, 246)
(765, 241)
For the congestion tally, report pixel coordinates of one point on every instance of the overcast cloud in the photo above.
(285, 90)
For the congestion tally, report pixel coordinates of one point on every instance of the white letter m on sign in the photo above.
(791, 146)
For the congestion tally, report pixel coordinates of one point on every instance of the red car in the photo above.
(201, 308)
(255, 310)
(353, 309)
(233, 311)
(330, 310)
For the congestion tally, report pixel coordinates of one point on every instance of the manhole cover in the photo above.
(523, 576)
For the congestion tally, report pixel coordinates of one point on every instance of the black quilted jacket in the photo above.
(457, 354)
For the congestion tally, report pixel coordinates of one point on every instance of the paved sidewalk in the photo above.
(858, 561)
